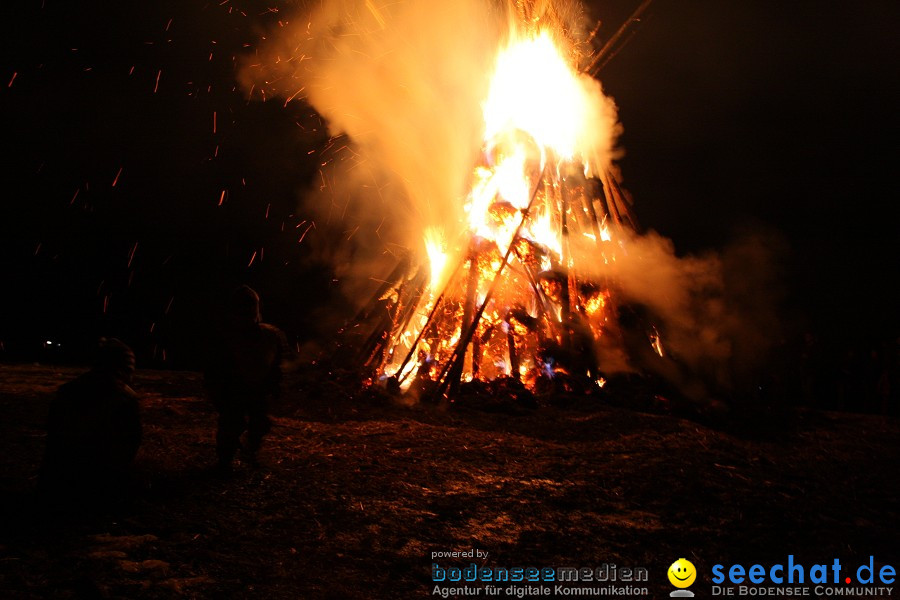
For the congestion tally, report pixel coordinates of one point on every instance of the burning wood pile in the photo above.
(514, 296)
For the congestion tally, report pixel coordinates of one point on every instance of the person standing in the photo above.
(243, 375)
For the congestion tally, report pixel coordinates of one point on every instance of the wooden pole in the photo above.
(467, 323)
(460, 351)
(437, 303)
(602, 57)
(511, 345)
(565, 300)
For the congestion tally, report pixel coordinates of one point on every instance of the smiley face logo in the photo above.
(682, 573)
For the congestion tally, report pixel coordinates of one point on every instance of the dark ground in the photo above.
(355, 496)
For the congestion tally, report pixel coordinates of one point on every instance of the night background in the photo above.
(140, 185)
(139, 181)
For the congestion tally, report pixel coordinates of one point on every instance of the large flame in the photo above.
(534, 89)
(435, 246)
(537, 109)
(515, 291)
(475, 138)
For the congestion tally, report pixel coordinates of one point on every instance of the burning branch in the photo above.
(452, 370)
(609, 49)
(526, 297)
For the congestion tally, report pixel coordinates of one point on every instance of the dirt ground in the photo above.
(357, 492)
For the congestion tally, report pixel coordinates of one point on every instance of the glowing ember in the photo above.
(656, 342)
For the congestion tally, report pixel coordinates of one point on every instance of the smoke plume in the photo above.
(716, 313)
(402, 87)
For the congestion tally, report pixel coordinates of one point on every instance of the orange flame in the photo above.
(534, 89)
(539, 130)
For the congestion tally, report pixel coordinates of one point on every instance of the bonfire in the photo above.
(516, 296)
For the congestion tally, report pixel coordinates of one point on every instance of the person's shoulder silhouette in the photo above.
(94, 424)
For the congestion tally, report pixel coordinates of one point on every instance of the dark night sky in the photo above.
(768, 115)
(777, 115)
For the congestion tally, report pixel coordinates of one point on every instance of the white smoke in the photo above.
(401, 86)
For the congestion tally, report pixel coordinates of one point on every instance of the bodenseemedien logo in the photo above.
(682, 574)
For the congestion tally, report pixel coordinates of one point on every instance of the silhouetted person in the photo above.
(243, 374)
(93, 429)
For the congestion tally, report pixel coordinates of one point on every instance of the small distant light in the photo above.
(48, 343)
